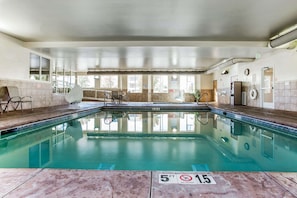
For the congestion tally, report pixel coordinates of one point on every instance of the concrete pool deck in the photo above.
(100, 183)
(138, 184)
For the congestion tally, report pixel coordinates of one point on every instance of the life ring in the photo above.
(253, 94)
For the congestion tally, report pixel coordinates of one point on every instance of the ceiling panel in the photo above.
(178, 22)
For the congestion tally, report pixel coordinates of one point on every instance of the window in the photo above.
(187, 123)
(110, 81)
(160, 122)
(135, 123)
(160, 84)
(39, 67)
(86, 81)
(34, 66)
(69, 80)
(62, 80)
(45, 69)
(58, 82)
(187, 84)
(135, 83)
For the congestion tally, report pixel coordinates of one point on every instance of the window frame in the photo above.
(116, 86)
(163, 89)
(91, 83)
(39, 68)
(136, 82)
(184, 83)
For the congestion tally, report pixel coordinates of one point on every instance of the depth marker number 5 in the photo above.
(167, 178)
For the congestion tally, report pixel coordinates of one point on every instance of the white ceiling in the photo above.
(146, 34)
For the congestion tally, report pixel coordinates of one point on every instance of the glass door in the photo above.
(267, 87)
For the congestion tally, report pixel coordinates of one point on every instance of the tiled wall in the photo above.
(41, 92)
(223, 96)
(286, 95)
(246, 87)
(137, 97)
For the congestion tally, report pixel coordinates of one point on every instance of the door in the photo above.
(267, 95)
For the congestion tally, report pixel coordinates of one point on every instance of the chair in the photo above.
(75, 95)
(3, 98)
(120, 96)
(15, 99)
(115, 95)
(4, 103)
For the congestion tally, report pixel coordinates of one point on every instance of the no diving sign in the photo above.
(186, 179)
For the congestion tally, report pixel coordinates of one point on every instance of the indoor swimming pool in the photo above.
(157, 140)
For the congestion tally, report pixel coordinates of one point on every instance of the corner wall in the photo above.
(14, 67)
(13, 57)
(284, 63)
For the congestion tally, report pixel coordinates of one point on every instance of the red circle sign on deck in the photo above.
(186, 178)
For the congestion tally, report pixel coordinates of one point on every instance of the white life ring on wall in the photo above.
(253, 94)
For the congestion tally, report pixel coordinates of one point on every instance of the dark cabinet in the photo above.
(235, 91)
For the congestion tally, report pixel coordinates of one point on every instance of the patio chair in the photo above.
(75, 95)
(15, 99)
(3, 98)
(119, 96)
(2, 103)
(115, 95)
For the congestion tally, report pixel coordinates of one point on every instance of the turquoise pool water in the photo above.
(180, 141)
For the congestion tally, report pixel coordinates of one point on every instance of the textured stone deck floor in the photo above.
(95, 183)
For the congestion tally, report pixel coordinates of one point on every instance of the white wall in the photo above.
(283, 61)
(14, 71)
(14, 58)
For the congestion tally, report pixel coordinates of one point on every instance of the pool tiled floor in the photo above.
(99, 183)
(120, 184)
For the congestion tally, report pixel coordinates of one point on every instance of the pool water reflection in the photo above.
(181, 141)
